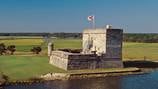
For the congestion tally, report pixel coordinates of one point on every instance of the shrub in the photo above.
(12, 49)
(2, 48)
(36, 50)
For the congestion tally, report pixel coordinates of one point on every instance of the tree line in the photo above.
(127, 37)
(140, 37)
(60, 35)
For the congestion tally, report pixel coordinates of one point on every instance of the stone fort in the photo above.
(101, 48)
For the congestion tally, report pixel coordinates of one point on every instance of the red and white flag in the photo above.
(91, 18)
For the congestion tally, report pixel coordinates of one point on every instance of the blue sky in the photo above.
(136, 16)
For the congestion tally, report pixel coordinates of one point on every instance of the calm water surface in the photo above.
(146, 81)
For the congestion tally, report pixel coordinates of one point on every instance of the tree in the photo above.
(11, 48)
(2, 48)
(36, 50)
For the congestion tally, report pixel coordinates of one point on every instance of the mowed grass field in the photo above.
(24, 65)
(23, 46)
(138, 51)
(130, 50)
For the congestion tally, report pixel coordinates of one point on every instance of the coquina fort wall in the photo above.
(102, 48)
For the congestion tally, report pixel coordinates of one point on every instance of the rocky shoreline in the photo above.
(81, 74)
(3, 79)
(69, 76)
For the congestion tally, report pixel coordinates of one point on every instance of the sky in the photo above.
(134, 16)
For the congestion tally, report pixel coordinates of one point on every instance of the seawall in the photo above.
(91, 74)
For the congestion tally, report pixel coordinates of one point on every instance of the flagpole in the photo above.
(93, 22)
(91, 18)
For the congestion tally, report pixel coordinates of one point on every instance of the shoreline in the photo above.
(69, 76)
(81, 74)
(131, 68)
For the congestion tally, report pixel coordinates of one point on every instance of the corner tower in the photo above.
(103, 42)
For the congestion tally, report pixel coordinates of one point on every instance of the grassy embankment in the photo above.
(24, 67)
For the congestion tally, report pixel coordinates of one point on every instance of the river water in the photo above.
(145, 81)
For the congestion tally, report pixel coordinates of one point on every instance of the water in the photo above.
(146, 81)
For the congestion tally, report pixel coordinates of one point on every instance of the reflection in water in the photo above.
(147, 81)
(99, 83)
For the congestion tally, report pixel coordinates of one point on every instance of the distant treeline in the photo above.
(140, 37)
(127, 37)
(59, 35)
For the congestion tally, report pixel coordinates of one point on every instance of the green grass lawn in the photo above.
(25, 67)
(23, 46)
(68, 43)
(140, 50)
(130, 50)
(19, 67)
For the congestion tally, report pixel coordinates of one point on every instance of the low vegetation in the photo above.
(11, 49)
(7, 50)
(140, 37)
(2, 49)
(24, 65)
(131, 50)
(36, 50)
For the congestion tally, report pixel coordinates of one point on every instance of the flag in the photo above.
(90, 18)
